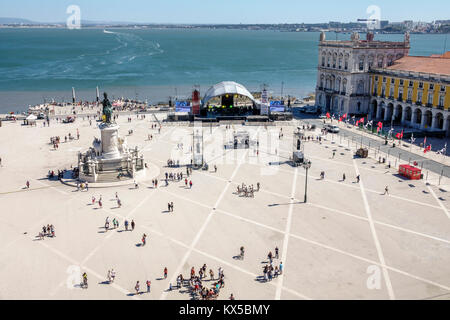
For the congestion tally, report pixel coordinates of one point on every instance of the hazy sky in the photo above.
(226, 11)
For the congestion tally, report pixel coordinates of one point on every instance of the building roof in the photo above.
(436, 64)
(226, 87)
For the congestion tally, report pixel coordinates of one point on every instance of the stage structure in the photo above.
(196, 102)
(229, 99)
(197, 148)
(298, 148)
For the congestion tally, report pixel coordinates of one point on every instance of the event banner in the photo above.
(182, 106)
(277, 106)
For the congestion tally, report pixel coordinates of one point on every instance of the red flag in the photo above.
(344, 116)
(328, 115)
(427, 149)
(340, 119)
(361, 120)
(401, 135)
(398, 136)
(357, 123)
(380, 125)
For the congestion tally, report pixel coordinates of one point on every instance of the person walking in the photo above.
(358, 178)
(136, 287)
(281, 267)
(28, 184)
(386, 190)
(143, 239)
(148, 286)
(276, 252)
(132, 225)
(343, 177)
(190, 184)
(165, 273)
(334, 153)
(126, 225)
(171, 206)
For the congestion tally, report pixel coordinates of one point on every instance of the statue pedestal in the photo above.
(110, 141)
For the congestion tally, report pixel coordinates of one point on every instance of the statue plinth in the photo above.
(110, 141)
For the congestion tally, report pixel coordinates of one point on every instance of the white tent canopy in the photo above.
(227, 87)
(31, 117)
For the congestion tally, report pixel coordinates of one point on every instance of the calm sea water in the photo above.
(38, 64)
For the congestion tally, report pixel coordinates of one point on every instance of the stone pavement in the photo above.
(348, 242)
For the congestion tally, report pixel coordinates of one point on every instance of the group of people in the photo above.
(51, 174)
(269, 270)
(247, 191)
(47, 231)
(55, 141)
(172, 163)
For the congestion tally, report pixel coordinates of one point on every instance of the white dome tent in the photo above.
(227, 87)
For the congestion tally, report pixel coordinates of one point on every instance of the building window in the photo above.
(391, 92)
(323, 61)
(431, 86)
(421, 85)
(359, 106)
(392, 80)
(361, 63)
(340, 62)
(376, 78)
(443, 88)
(409, 95)
(383, 91)
(344, 86)
(401, 82)
(430, 98)
(441, 101)
(400, 94)
(411, 83)
(419, 96)
(380, 62)
(384, 79)
(346, 63)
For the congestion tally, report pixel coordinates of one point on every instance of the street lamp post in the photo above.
(307, 166)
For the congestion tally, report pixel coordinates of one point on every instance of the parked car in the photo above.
(69, 120)
(332, 128)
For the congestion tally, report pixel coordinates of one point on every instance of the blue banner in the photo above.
(182, 106)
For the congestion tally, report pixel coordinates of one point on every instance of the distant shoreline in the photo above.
(180, 27)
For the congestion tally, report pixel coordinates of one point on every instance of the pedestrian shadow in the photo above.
(261, 279)
(237, 258)
(165, 211)
(102, 231)
(133, 294)
(426, 192)
(139, 245)
(442, 190)
(159, 279)
(442, 199)
(104, 282)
